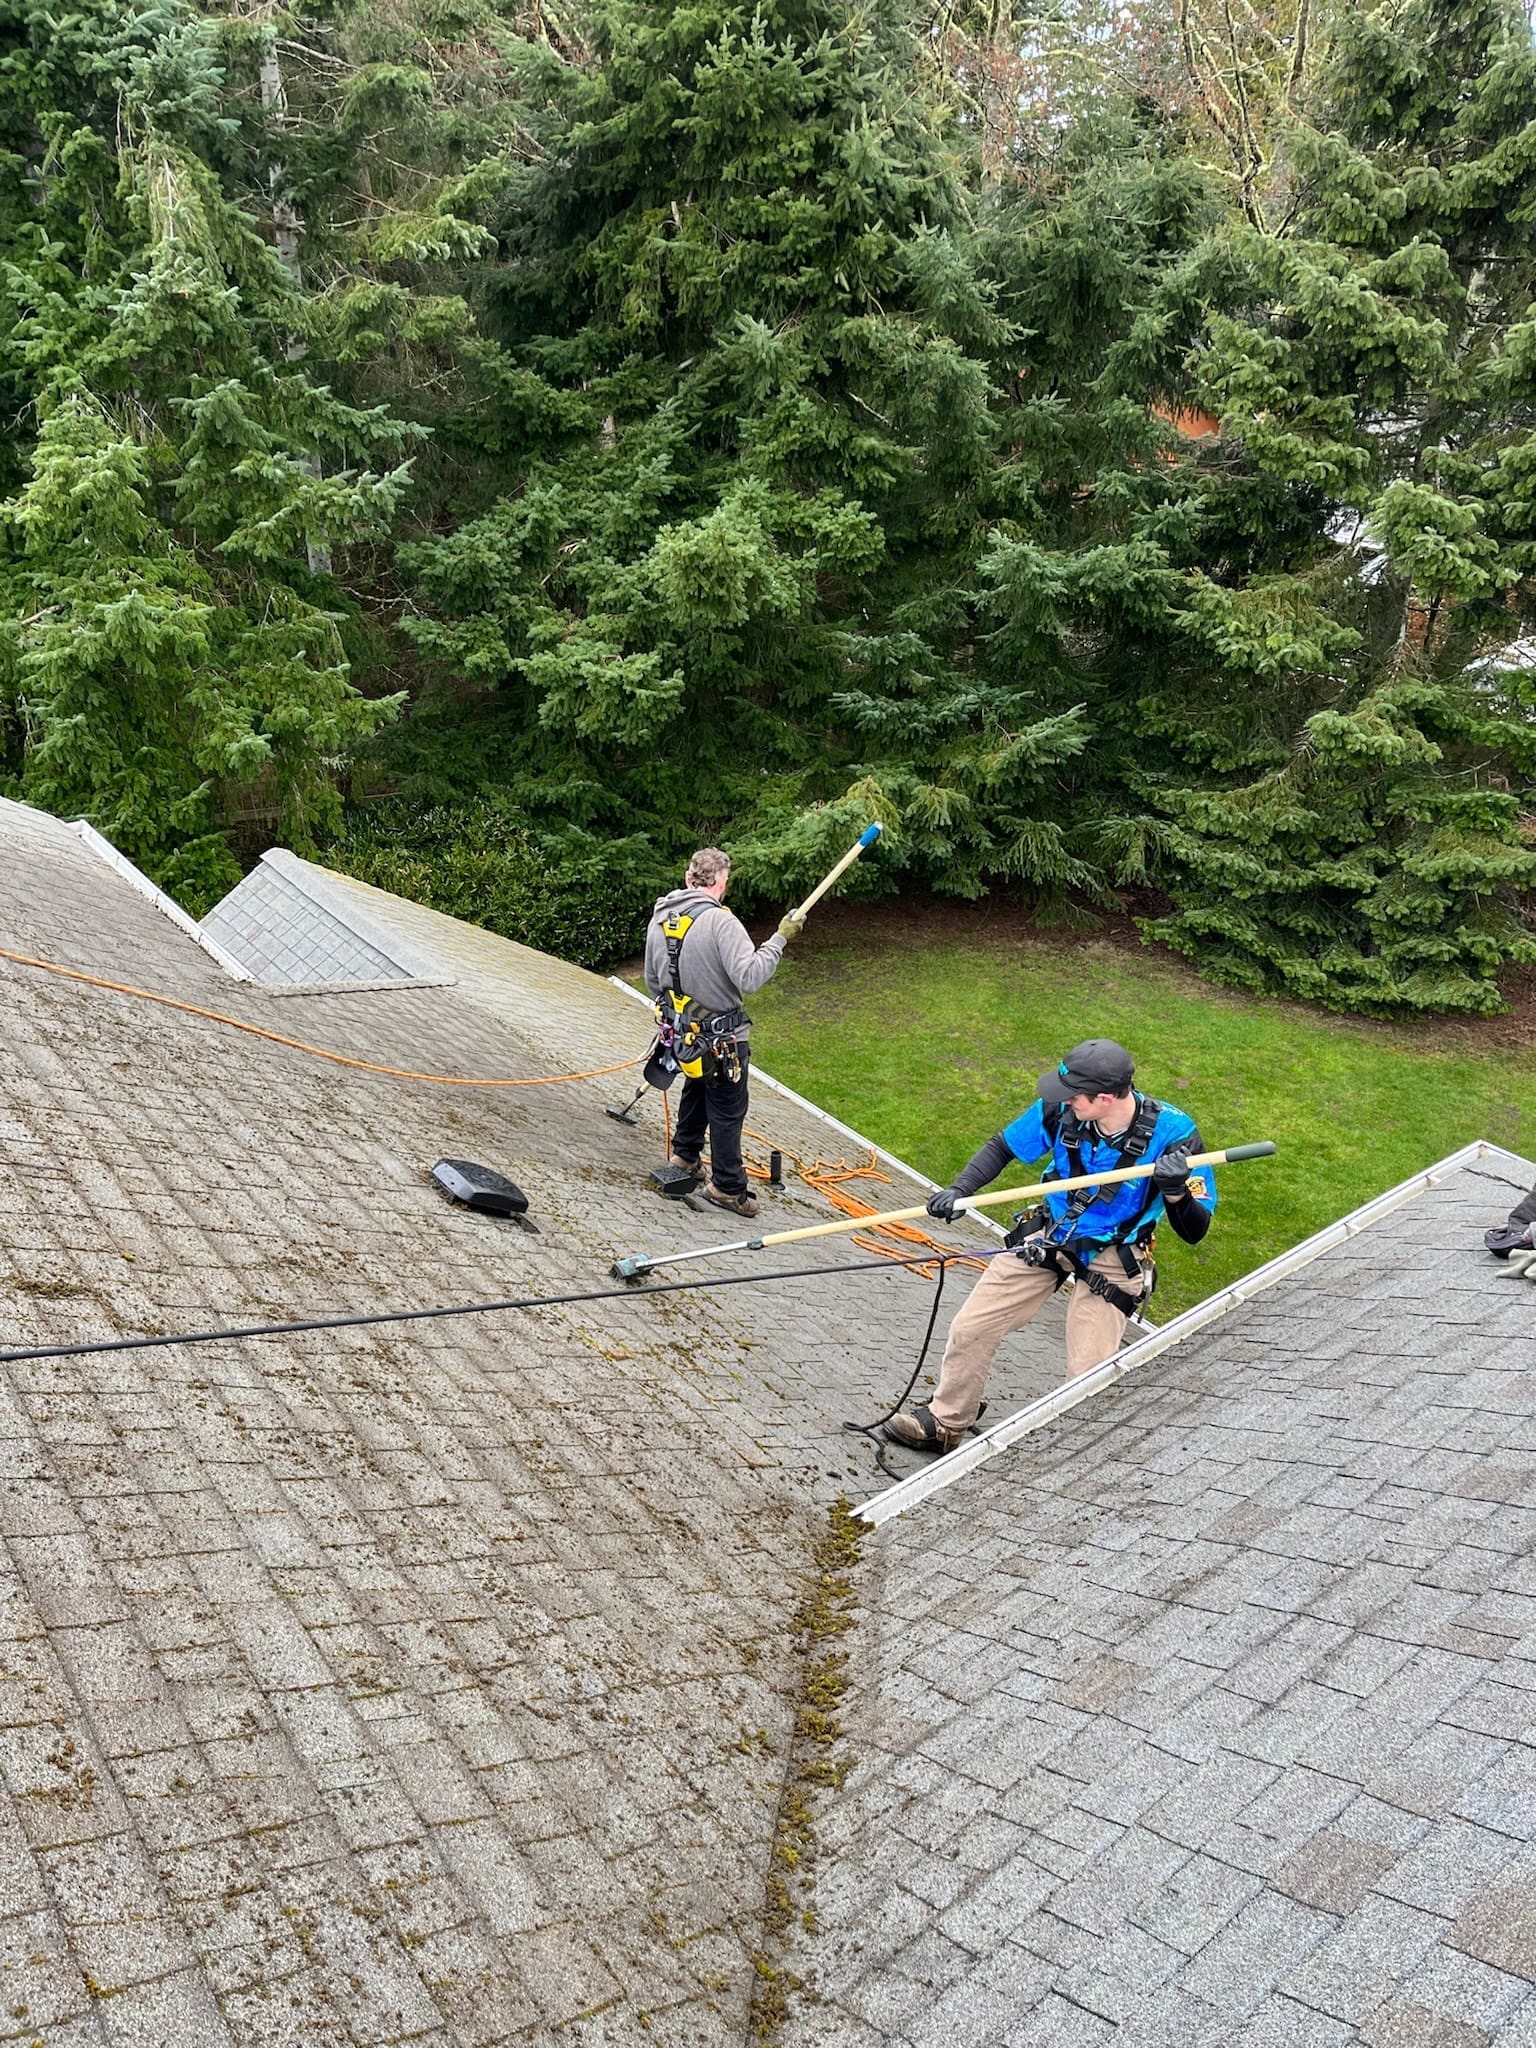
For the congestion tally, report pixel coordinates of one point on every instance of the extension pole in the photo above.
(637, 1267)
(866, 838)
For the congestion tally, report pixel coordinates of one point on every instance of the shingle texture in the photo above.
(435, 1683)
(279, 927)
(429, 1683)
(1207, 1714)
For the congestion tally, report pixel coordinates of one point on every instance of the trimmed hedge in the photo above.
(571, 897)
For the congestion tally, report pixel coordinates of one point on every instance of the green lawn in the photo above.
(928, 1044)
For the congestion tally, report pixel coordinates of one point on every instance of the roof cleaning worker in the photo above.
(1090, 1120)
(699, 963)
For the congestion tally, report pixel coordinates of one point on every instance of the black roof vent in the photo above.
(480, 1187)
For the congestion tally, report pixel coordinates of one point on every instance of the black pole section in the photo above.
(474, 1308)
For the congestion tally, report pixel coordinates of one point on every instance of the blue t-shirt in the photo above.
(1104, 1220)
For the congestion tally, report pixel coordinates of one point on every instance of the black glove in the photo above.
(976, 1174)
(1170, 1176)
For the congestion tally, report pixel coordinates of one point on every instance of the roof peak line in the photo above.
(101, 847)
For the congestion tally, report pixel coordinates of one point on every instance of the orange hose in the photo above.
(889, 1240)
(318, 1052)
(827, 1177)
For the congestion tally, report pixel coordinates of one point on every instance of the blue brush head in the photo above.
(869, 835)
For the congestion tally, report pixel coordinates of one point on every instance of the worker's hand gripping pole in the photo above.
(866, 838)
(636, 1268)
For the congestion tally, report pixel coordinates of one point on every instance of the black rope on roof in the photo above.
(474, 1308)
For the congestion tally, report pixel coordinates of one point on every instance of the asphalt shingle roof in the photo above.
(428, 1683)
(437, 1683)
(1207, 1715)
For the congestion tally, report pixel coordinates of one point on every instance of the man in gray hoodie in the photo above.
(717, 966)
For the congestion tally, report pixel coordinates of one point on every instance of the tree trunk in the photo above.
(288, 232)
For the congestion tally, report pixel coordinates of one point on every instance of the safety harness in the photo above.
(700, 1043)
(1047, 1237)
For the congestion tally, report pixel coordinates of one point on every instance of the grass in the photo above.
(929, 1041)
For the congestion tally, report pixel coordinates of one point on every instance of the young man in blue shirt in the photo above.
(1089, 1119)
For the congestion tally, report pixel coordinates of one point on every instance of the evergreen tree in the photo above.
(169, 660)
(741, 365)
(1377, 362)
(1097, 441)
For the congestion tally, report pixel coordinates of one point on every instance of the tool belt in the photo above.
(723, 1049)
(1067, 1263)
(705, 1048)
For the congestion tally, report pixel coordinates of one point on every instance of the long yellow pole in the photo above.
(866, 838)
(636, 1268)
(1054, 1187)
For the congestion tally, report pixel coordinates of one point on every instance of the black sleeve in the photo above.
(981, 1171)
(1190, 1217)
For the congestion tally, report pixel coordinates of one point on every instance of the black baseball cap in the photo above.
(1099, 1066)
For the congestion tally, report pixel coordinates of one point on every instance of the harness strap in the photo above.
(673, 932)
(1069, 1265)
(1061, 1125)
(703, 1044)
(1117, 1297)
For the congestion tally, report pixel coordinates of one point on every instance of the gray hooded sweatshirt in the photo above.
(718, 962)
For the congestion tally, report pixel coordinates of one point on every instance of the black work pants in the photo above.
(721, 1107)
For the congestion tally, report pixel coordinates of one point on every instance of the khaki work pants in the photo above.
(1008, 1295)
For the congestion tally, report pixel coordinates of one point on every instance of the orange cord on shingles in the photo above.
(318, 1052)
(830, 1180)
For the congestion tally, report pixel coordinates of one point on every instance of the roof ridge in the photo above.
(85, 835)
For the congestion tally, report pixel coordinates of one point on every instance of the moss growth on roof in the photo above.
(824, 1614)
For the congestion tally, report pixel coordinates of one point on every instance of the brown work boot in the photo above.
(684, 1165)
(739, 1205)
(916, 1430)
